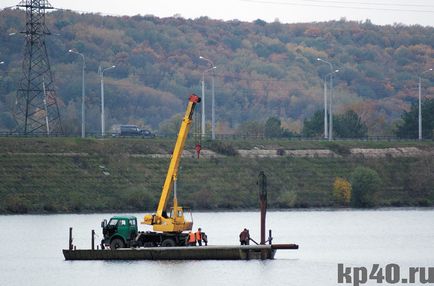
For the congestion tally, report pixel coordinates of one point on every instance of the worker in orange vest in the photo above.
(199, 236)
(191, 239)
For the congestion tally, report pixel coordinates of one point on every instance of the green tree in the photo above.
(349, 125)
(365, 184)
(273, 128)
(314, 127)
(409, 126)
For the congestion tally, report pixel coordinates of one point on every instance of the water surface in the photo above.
(30, 248)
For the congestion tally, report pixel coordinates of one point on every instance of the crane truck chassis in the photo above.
(122, 231)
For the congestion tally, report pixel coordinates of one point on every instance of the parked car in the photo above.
(133, 130)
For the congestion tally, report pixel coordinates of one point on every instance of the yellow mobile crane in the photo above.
(176, 221)
(121, 231)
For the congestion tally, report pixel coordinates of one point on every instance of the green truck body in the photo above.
(119, 232)
(122, 231)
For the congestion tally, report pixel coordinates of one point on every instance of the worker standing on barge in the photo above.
(191, 239)
(245, 237)
(199, 236)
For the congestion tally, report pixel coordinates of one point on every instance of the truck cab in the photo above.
(119, 232)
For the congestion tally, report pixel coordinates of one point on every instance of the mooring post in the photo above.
(93, 239)
(262, 183)
(70, 238)
(270, 238)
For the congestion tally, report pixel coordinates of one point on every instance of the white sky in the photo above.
(287, 11)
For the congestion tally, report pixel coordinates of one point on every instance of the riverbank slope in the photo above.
(41, 175)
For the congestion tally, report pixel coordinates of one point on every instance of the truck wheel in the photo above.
(168, 242)
(117, 243)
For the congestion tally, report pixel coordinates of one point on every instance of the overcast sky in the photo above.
(287, 11)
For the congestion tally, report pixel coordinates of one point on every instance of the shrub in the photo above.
(339, 149)
(223, 148)
(287, 199)
(366, 183)
(342, 191)
(16, 204)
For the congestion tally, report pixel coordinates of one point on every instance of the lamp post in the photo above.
(101, 73)
(212, 97)
(331, 97)
(203, 100)
(203, 104)
(212, 105)
(83, 130)
(420, 102)
(325, 109)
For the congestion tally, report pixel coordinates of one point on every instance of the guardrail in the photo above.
(218, 137)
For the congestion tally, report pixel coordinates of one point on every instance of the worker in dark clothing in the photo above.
(205, 238)
(199, 237)
(245, 237)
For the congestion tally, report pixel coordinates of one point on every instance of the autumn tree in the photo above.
(171, 126)
(252, 129)
(342, 191)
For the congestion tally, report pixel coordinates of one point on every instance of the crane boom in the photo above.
(159, 220)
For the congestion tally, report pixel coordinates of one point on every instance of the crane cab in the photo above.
(174, 222)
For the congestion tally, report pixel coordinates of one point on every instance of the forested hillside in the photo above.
(263, 69)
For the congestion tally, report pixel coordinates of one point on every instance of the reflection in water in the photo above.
(30, 248)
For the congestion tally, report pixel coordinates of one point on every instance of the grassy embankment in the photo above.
(100, 175)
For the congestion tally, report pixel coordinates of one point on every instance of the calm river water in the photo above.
(30, 249)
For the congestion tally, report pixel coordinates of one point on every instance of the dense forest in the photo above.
(263, 69)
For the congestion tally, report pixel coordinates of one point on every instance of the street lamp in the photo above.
(331, 99)
(420, 102)
(212, 99)
(101, 73)
(2, 62)
(83, 131)
(325, 103)
(325, 109)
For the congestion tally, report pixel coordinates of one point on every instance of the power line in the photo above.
(339, 6)
(370, 3)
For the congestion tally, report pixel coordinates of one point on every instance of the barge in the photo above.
(218, 252)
